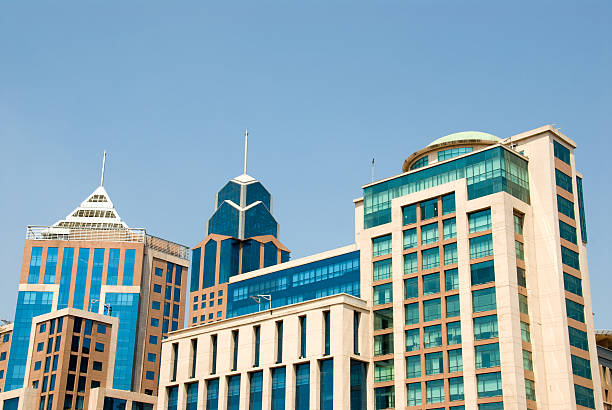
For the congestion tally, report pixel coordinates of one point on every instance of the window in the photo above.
(157, 288)
(413, 340)
(435, 391)
(411, 288)
(356, 320)
(434, 364)
(519, 249)
(432, 336)
(151, 357)
(101, 329)
(448, 203)
(431, 284)
(302, 326)
(99, 347)
(527, 360)
(35, 259)
(279, 341)
(150, 375)
(455, 386)
(155, 305)
(410, 263)
(564, 181)
(382, 270)
(525, 334)
(410, 238)
(278, 388)
(212, 394)
(485, 327)
(568, 232)
(383, 344)
(487, 356)
(383, 319)
(257, 338)
(233, 392)
(255, 390)
(520, 277)
(483, 300)
(302, 386)
(432, 309)
(578, 338)
(383, 294)
(234, 350)
(429, 209)
(213, 352)
(583, 228)
(450, 253)
(455, 361)
(153, 339)
(383, 371)
(414, 394)
(572, 284)
(570, 258)
(431, 258)
(154, 322)
(523, 305)
(384, 397)
(420, 163)
(449, 228)
(453, 331)
(429, 233)
(584, 396)
(381, 245)
(483, 272)
(479, 221)
(192, 397)
(409, 214)
(561, 152)
(413, 367)
(574, 310)
(581, 367)
(452, 279)
(489, 384)
(481, 246)
(565, 207)
(412, 314)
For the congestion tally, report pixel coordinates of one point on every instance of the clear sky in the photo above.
(323, 86)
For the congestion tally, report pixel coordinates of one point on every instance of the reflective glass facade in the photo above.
(125, 307)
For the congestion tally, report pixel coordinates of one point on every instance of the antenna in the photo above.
(246, 148)
(103, 165)
(372, 169)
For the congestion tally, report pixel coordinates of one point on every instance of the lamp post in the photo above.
(259, 298)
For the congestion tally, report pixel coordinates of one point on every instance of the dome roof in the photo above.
(465, 135)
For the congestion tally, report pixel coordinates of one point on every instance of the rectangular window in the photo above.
(432, 310)
(410, 263)
(255, 389)
(213, 351)
(212, 394)
(429, 209)
(564, 181)
(431, 284)
(565, 207)
(279, 341)
(583, 227)
(382, 269)
(435, 391)
(257, 339)
(356, 320)
(479, 221)
(525, 333)
(410, 238)
(128, 267)
(234, 350)
(452, 306)
(527, 360)
(81, 278)
(172, 398)
(570, 258)
(455, 361)
(192, 397)
(450, 254)
(518, 223)
(383, 344)
(520, 277)
(481, 246)
(452, 279)
(561, 152)
(483, 300)
(483, 272)
(434, 364)
(278, 388)
(523, 305)
(485, 327)
(449, 228)
(35, 260)
(409, 214)
(384, 371)
(302, 386)
(51, 265)
(413, 367)
(381, 245)
(413, 339)
(194, 357)
(453, 332)
(574, 310)
(448, 203)
(530, 389)
(383, 319)
(578, 338)
(414, 395)
(429, 233)
(412, 314)
(455, 387)
(489, 384)
(431, 258)
(384, 397)
(382, 294)
(432, 336)
(572, 284)
(584, 396)
(487, 356)
(233, 392)
(411, 288)
(174, 360)
(302, 326)
(327, 332)
(519, 250)
(581, 367)
(568, 232)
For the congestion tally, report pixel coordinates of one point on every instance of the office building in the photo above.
(466, 286)
(604, 351)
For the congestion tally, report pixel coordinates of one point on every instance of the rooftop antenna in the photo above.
(103, 165)
(246, 148)
(372, 169)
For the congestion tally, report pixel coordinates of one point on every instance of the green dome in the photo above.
(466, 135)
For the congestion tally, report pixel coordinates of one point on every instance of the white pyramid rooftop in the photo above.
(96, 211)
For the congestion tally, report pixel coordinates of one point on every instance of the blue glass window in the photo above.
(581, 367)
(255, 388)
(431, 284)
(483, 300)
(302, 386)
(192, 396)
(210, 264)
(212, 394)
(414, 394)
(125, 307)
(384, 397)
(224, 221)
(485, 327)
(178, 275)
(383, 294)
(487, 171)
(429, 233)
(481, 246)
(452, 279)
(489, 384)
(434, 363)
(410, 238)
(448, 204)
(449, 228)
(384, 371)
(578, 338)
(112, 271)
(230, 192)
(450, 254)
(570, 258)
(568, 232)
(35, 260)
(270, 254)
(169, 272)
(259, 221)
(480, 221)
(565, 207)
(256, 192)
(487, 356)
(453, 152)
(96, 280)
(411, 264)
(411, 314)
(413, 367)
(382, 269)
(453, 333)
(583, 227)
(251, 251)
(420, 163)
(564, 181)
(51, 265)
(357, 385)
(455, 361)
(483, 272)
(155, 305)
(81, 278)
(452, 306)
(195, 269)
(491, 406)
(172, 398)
(409, 214)
(411, 288)
(561, 152)
(584, 396)
(157, 288)
(413, 340)
(278, 388)
(149, 375)
(381, 245)
(383, 344)
(431, 258)
(455, 387)
(233, 392)
(432, 309)
(432, 336)
(429, 209)
(435, 391)
(128, 267)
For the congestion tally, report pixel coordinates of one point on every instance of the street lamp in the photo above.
(259, 298)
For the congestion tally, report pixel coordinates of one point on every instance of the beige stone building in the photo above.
(467, 286)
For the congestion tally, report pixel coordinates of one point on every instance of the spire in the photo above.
(246, 149)
(103, 165)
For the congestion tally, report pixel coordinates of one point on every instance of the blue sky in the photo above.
(323, 86)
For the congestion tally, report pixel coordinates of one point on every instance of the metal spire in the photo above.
(103, 165)
(246, 148)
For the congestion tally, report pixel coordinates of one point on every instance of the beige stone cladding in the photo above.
(131, 400)
(177, 365)
(6, 335)
(26, 398)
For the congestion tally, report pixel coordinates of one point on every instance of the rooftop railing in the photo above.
(137, 235)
